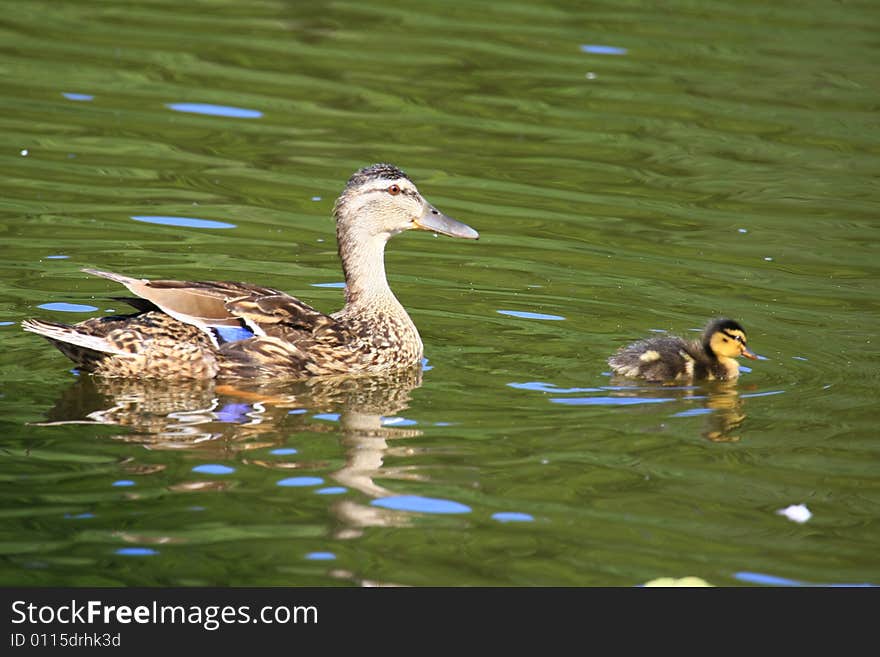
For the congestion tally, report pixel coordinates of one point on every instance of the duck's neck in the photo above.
(722, 367)
(706, 348)
(363, 265)
(731, 367)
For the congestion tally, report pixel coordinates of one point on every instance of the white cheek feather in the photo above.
(688, 366)
(649, 356)
(255, 329)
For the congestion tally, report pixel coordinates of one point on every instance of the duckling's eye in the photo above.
(394, 190)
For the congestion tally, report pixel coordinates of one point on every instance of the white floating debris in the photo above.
(668, 582)
(591, 76)
(316, 198)
(796, 513)
(768, 259)
(741, 230)
(24, 152)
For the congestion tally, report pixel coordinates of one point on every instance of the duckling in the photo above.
(239, 330)
(673, 359)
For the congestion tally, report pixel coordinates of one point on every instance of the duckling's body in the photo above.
(225, 329)
(671, 359)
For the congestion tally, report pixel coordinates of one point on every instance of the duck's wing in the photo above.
(294, 340)
(201, 304)
(654, 359)
(279, 313)
(228, 311)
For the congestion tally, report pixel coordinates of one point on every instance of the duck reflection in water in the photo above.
(721, 404)
(725, 415)
(231, 421)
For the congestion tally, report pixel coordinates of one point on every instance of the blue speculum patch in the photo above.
(233, 333)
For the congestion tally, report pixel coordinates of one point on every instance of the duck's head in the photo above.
(726, 339)
(381, 201)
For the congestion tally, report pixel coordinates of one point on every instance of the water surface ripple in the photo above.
(632, 169)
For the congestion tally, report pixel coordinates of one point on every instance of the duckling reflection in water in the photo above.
(717, 402)
(671, 359)
(726, 414)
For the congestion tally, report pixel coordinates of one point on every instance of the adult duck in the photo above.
(223, 329)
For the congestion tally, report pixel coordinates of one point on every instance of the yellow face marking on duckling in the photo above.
(744, 350)
(730, 343)
(649, 356)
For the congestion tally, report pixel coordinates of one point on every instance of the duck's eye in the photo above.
(394, 190)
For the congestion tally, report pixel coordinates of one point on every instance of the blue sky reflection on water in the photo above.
(694, 411)
(332, 490)
(596, 49)
(214, 469)
(540, 386)
(78, 97)
(522, 314)
(215, 110)
(136, 552)
(299, 482)
(68, 307)
(774, 580)
(182, 222)
(513, 516)
(420, 504)
(611, 401)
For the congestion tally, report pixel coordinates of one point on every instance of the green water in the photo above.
(719, 159)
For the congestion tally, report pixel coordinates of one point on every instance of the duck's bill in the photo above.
(751, 355)
(436, 221)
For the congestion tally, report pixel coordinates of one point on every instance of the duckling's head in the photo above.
(381, 201)
(726, 338)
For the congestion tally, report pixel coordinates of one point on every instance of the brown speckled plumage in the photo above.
(237, 330)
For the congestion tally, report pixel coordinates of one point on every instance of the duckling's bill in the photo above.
(748, 353)
(436, 221)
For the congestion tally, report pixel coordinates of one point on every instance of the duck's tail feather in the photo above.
(119, 278)
(62, 334)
